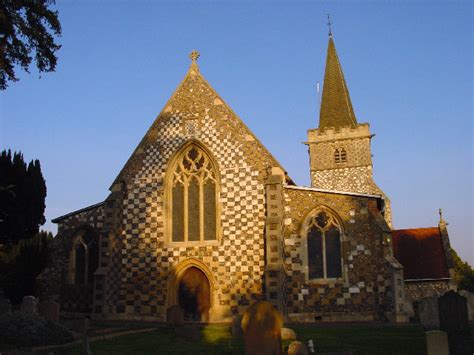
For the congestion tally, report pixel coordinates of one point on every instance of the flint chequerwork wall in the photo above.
(259, 248)
(142, 260)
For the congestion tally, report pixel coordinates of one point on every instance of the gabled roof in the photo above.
(336, 107)
(421, 252)
(88, 208)
(193, 78)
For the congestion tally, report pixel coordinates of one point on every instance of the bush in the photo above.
(20, 330)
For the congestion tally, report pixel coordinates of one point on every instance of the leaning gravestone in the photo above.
(49, 310)
(429, 314)
(453, 320)
(29, 305)
(262, 324)
(437, 342)
(175, 315)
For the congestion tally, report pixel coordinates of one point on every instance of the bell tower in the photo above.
(339, 149)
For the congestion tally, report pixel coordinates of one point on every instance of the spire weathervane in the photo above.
(329, 25)
(194, 55)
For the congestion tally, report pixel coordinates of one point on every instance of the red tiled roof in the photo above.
(421, 253)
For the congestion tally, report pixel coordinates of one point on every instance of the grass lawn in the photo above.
(217, 339)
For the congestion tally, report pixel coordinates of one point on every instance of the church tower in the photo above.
(339, 149)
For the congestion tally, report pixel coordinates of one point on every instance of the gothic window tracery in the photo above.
(324, 246)
(193, 202)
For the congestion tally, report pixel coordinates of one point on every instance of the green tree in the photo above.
(463, 273)
(27, 29)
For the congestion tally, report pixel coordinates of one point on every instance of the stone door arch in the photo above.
(191, 286)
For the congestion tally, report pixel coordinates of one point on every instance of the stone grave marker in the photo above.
(470, 304)
(437, 342)
(453, 320)
(288, 334)
(429, 314)
(29, 305)
(298, 348)
(175, 315)
(262, 324)
(237, 330)
(49, 310)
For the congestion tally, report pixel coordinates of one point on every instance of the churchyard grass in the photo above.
(217, 339)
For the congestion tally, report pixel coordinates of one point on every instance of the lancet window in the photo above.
(193, 200)
(83, 259)
(324, 247)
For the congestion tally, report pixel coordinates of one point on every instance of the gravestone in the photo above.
(175, 315)
(437, 342)
(5, 304)
(288, 334)
(429, 314)
(262, 324)
(237, 331)
(29, 305)
(49, 310)
(298, 348)
(470, 304)
(453, 320)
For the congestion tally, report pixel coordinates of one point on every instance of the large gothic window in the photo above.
(324, 246)
(193, 197)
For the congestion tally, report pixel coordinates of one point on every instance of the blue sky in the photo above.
(408, 65)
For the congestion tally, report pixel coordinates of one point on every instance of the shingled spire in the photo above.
(336, 107)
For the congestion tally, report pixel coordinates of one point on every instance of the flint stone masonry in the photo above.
(437, 342)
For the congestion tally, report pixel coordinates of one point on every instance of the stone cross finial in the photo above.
(194, 56)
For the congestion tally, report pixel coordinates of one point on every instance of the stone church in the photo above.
(203, 216)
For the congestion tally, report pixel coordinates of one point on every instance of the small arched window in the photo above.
(340, 156)
(84, 259)
(193, 192)
(324, 246)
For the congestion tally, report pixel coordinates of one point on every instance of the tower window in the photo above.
(340, 156)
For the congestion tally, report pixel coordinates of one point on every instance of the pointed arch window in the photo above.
(324, 246)
(193, 197)
(340, 156)
(84, 259)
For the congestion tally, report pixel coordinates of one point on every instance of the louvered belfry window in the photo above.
(324, 247)
(193, 202)
(340, 156)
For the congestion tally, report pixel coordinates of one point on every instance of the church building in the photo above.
(203, 216)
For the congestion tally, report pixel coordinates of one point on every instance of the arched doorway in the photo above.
(194, 295)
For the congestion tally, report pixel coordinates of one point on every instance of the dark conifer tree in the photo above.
(23, 248)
